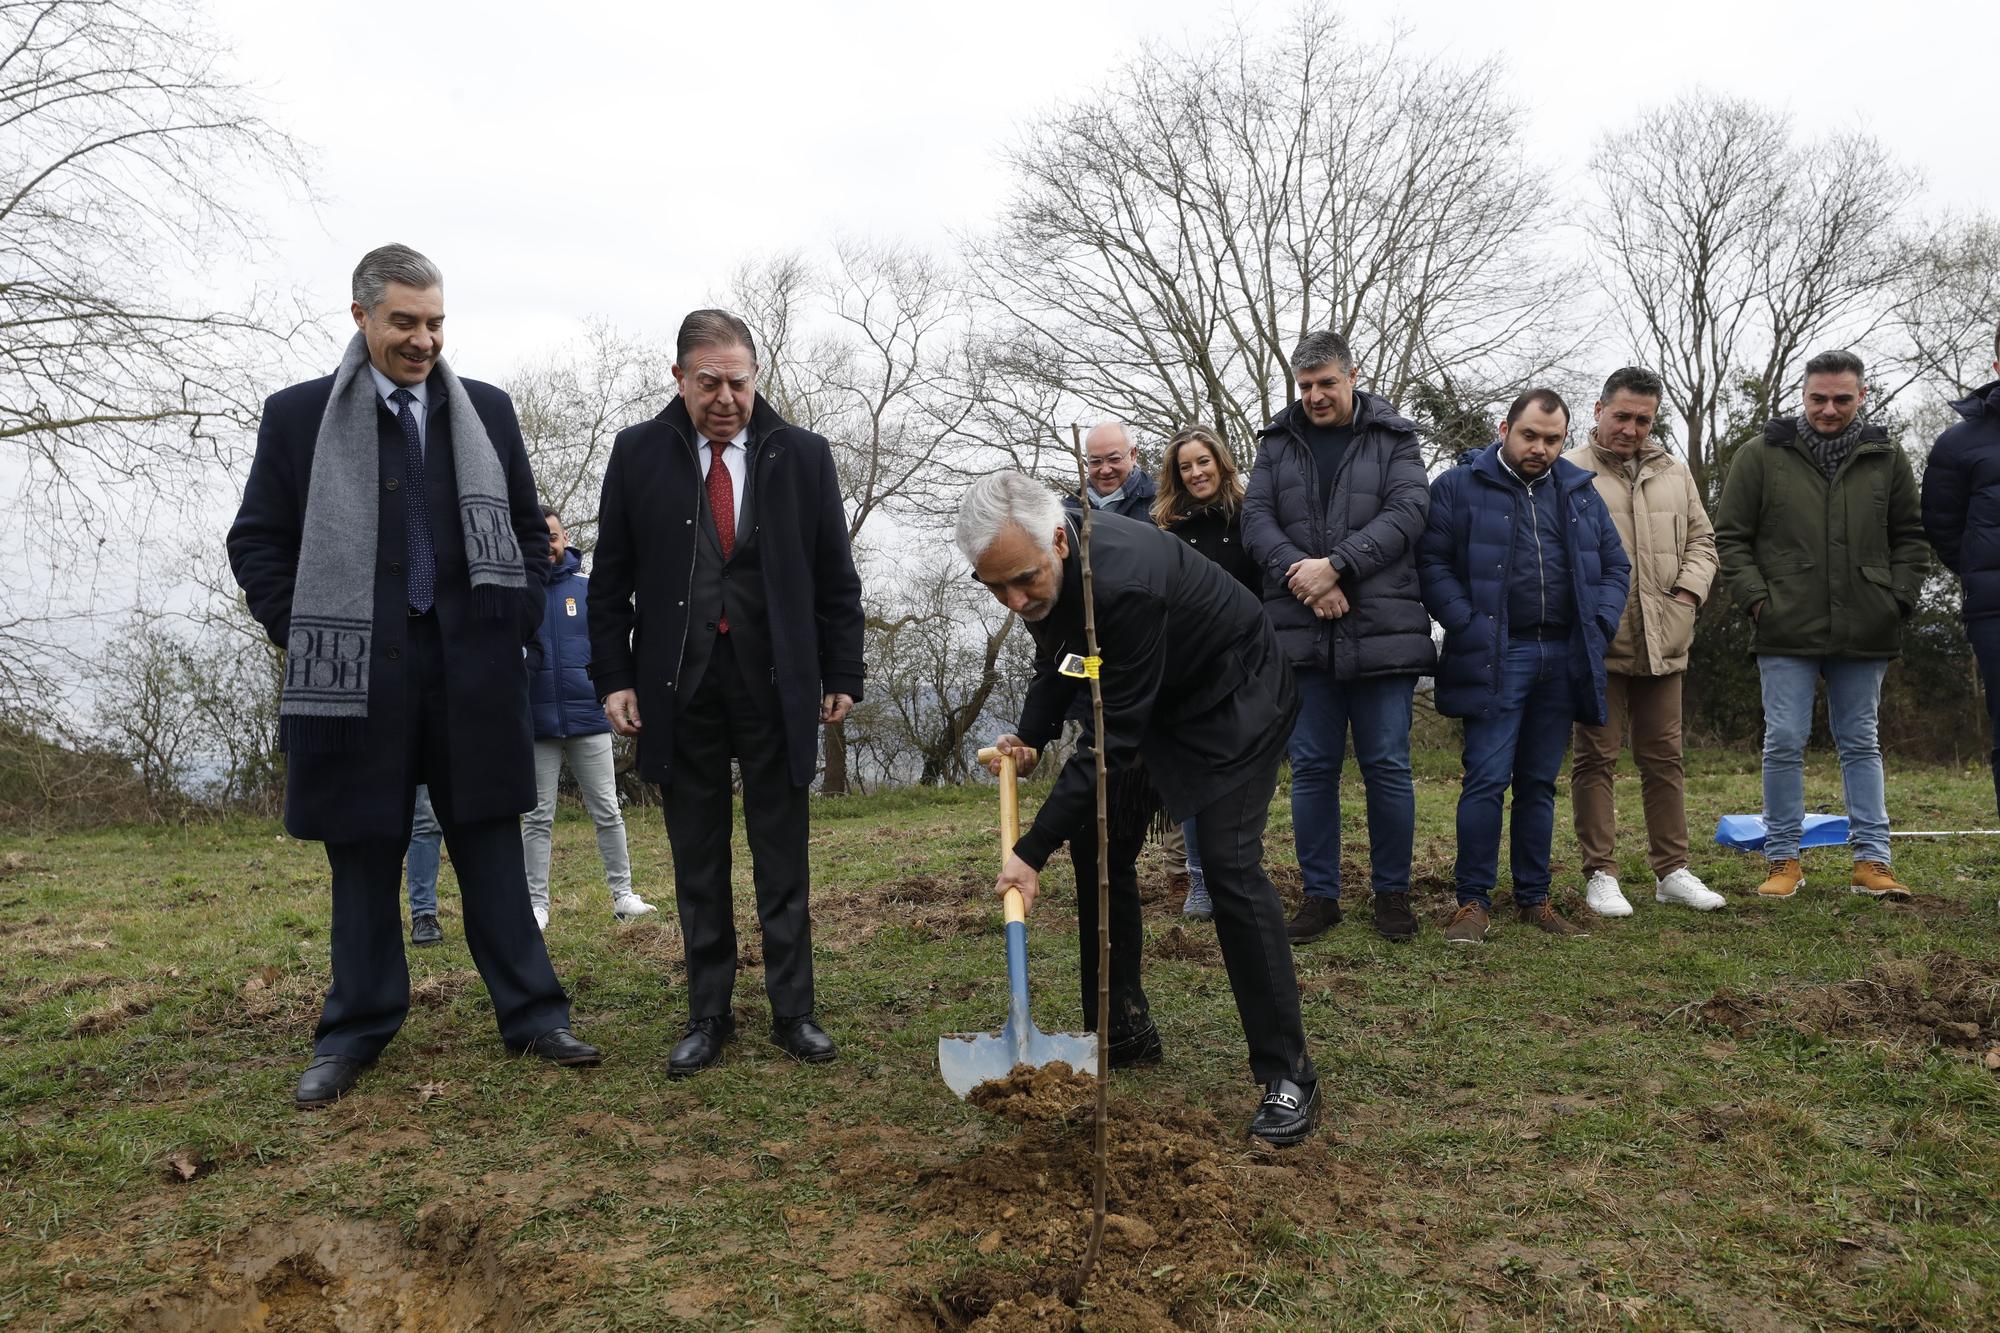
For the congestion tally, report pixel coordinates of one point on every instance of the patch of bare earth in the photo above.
(345, 1277)
(1943, 998)
(1189, 1201)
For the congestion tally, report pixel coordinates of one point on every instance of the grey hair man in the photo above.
(1657, 510)
(1117, 484)
(1337, 500)
(389, 524)
(1196, 687)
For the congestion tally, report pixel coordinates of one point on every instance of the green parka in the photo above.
(1838, 564)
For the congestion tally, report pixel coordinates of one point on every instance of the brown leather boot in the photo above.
(1875, 879)
(1786, 878)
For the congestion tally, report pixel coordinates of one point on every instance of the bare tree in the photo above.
(1730, 249)
(573, 403)
(125, 154)
(1170, 238)
(1950, 305)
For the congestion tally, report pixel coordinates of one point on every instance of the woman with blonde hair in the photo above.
(1201, 502)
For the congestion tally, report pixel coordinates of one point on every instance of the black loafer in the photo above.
(802, 1039)
(1286, 1114)
(326, 1080)
(560, 1046)
(424, 930)
(701, 1047)
(1137, 1048)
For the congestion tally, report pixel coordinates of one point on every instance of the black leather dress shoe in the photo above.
(1287, 1112)
(424, 930)
(560, 1046)
(326, 1080)
(1137, 1048)
(701, 1047)
(802, 1039)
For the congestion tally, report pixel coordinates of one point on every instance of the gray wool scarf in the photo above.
(327, 655)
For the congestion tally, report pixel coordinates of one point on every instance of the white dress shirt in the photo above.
(420, 409)
(735, 457)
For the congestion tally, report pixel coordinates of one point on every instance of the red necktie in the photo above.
(722, 504)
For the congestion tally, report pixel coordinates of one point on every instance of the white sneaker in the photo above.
(630, 907)
(541, 916)
(1683, 888)
(1601, 896)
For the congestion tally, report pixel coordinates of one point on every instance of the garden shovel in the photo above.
(968, 1059)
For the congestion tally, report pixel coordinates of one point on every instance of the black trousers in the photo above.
(370, 995)
(1250, 927)
(727, 717)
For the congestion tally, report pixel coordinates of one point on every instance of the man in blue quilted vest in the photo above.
(570, 724)
(1522, 565)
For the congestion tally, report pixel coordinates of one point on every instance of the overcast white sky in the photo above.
(619, 159)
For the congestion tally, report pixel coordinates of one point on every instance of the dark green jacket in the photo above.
(1838, 565)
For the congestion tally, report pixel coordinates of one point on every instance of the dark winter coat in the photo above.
(1369, 529)
(1961, 500)
(1464, 559)
(354, 794)
(1218, 534)
(648, 522)
(1194, 681)
(1136, 502)
(1838, 565)
(559, 690)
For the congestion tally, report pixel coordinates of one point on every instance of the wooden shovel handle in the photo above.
(1010, 799)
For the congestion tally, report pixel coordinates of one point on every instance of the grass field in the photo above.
(1774, 1116)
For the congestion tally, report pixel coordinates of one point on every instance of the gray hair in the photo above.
(999, 500)
(713, 328)
(1319, 349)
(392, 263)
(1111, 423)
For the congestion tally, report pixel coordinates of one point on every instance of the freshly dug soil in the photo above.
(1053, 1092)
(1189, 1201)
(1944, 997)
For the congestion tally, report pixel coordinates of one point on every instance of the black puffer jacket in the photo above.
(1369, 528)
(1961, 499)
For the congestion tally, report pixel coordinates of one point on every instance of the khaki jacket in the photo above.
(1671, 544)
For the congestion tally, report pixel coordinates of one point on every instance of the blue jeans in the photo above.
(422, 857)
(1378, 709)
(1521, 744)
(1193, 856)
(1853, 692)
(1985, 635)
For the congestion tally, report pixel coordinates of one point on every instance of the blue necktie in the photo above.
(420, 568)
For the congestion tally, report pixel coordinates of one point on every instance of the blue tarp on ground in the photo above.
(1746, 832)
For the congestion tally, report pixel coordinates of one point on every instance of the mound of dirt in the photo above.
(1053, 1092)
(1944, 997)
(330, 1274)
(1179, 944)
(1189, 1201)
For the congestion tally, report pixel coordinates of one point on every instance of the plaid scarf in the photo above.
(1830, 451)
(331, 645)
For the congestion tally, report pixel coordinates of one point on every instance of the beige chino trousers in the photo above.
(1653, 706)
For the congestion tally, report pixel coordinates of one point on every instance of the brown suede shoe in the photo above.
(1786, 878)
(1468, 925)
(1543, 917)
(1874, 879)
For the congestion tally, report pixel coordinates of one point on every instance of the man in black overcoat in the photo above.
(1195, 686)
(390, 526)
(725, 622)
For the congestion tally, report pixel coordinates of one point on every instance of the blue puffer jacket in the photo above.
(564, 700)
(1463, 559)
(1962, 500)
